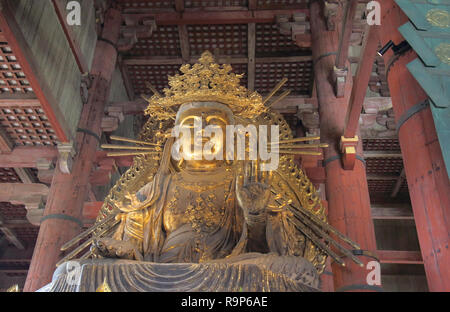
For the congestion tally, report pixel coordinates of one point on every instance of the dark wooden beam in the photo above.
(251, 56)
(25, 175)
(10, 235)
(74, 45)
(26, 157)
(19, 99)
(398, 184)
(126, 78)
(163, 60)
(207, 17)
(184, 43)
(6, 145)
(361, 82)
(179, 5)
(13, 34)
(252, 4)
(391, 212)
(400, 257)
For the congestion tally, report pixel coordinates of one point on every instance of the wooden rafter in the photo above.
(10, 235)
(74, 45)
(184, 43)
(347, 27)
(398, 184)
(126, 78)
(361, 82)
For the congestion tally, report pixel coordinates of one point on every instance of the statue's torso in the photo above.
(200, 211)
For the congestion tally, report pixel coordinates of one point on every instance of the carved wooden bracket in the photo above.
(339, 77)
(130, 34)
(31, 195)
(348, 150)
(66, 154)
(332, 11)
(297, 27)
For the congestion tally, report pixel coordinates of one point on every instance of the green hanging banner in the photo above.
(428, 33)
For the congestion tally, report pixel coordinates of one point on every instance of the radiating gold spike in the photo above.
(80, 248)
(300, 153)
(323, 224)
(92, 229)
(275, 90)
(14, 288)
(281, 97)
(304, 146)
(152, 88)
(320, 232)
(126, 147)
(119, 154)
(317, 241)
(86, 255)
(104, 287)
(118, 138)
(304, 139)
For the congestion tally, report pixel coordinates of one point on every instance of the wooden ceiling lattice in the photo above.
(29, 233)
(164, 41)
(384, 166)
(215, 3)
(377, 144)
(9, 175)
(269, 41)
(281, 3)
(157, 75)
(299, 76)
(12, 78)
(154, 74)
(9, 211)
(223, 39)
(28, 126)
(385, 187)
(146, 4)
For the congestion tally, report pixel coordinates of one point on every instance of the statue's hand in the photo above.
(253, 191)
(111, 248)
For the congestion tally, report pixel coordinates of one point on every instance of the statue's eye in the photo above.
(190, 121)
(216, 120)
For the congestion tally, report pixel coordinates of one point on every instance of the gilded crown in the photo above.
(205, 81)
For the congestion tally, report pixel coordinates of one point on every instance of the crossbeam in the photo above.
(400, 257)
(206, 17)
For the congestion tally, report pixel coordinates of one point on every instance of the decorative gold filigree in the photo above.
(438, 18)
(205, 81)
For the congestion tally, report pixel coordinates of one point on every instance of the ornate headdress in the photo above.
(205, 81)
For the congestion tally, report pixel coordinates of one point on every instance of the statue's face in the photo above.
(210, 118)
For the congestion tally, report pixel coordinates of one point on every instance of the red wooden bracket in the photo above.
(348, 150)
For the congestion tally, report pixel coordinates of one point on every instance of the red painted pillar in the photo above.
(347, 190)
(428, 182)
(63, 212)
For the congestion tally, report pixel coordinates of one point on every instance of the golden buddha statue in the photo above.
(216, 214)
